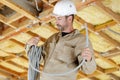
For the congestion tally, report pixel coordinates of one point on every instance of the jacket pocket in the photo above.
(68, 55)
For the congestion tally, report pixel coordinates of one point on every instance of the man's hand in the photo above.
(33, 41)
(87, 54)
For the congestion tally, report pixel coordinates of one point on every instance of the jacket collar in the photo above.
(75, 32)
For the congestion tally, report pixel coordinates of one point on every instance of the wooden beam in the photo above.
(7, 58)
(52, 1)
(19, 43)
(46, 15)
(81, 75)
(90, 26)
(94, 78)
(1, 5)
(112, 53)
(108, 11)
(80, 5)
(114, 77)
(105, 25)
(17, 65)
(46, 1)
(111, 70)
(100, 70)
(2, 73)
(21, 7)
(7, 75)
(4, 20)
(13, 18)
(106, 60)
(109, 39)
(34, 35)
(9, 71)
(23, 74)
(11, 56)
(24, 29)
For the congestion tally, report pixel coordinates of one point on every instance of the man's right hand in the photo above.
(33, 41)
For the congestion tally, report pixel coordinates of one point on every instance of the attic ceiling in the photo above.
(102, 17)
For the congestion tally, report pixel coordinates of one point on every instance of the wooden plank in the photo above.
(7, 75)
(33, 34)
(114, 77)
(80, 5)
(46, 15)
(18, 6)
(46, 1)
(17, 65)
(90, 26)
(24, 29)
(94, 78)
(106, 60)
(105, 25)
(9, 71)
(7, 58)
(100, 70)
(19, 43)
(52, 1)
(1, 5)
(111, 70)
(14, 18)
(4, 20)
(108, 11)
(109, 39)
(112, 53)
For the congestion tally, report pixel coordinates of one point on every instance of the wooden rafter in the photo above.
(112, 53)
(34, 35)
(108, 11)
(7, 75)
(45, 1)
(80, 5)
(94, 78)
(17, 65)
(105, 25)
(105, 59)
(24, 29)
(13, 18)
(4, 20)
(14, 4)
(109, 39)
(111, 70)
(90, 26)
(114, 77)
(9, 71)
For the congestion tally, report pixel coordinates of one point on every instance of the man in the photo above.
(65, 50)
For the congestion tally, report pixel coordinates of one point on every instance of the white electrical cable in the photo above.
(34, 56)
(86, 30)
(31, 55)
(36, 4)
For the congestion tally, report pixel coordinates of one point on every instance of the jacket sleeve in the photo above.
(87, 67)
(44, 47)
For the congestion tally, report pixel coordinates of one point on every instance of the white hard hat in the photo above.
(64, 8)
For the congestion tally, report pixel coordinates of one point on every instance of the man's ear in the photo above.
(70, 18)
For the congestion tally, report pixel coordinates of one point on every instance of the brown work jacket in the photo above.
(62, 54)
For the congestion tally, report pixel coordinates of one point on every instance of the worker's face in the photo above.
(62, 23)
